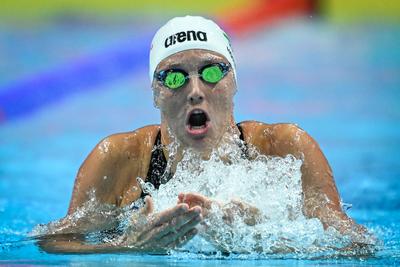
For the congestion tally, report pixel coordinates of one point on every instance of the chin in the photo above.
(201, 143)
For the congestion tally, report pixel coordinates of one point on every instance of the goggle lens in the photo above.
(174, 79)
(212, 74)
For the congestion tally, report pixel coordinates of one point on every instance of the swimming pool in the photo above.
(340, 84)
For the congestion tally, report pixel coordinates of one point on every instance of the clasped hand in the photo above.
(158, 232)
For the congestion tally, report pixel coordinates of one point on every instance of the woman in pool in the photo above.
(193, 76)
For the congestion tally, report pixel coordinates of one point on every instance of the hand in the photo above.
(166, 230)
(212, 224)
(194, 199)
(250, 214)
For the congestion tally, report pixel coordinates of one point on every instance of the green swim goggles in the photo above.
(176, 78)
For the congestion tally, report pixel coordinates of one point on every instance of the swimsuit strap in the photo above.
(157, 166)
(158, 162)
(243, 144)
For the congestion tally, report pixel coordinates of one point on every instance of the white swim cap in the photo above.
(189, 32)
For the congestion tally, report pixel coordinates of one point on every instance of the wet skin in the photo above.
(123, 157)
(216, 100)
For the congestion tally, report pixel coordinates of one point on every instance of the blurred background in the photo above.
(73, 72)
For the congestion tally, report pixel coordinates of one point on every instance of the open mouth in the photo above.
(197, 123)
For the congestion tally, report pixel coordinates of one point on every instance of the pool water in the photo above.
(340, 83)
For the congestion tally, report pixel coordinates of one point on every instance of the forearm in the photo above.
(333, 217)
(83, 221)
(67, 235)
(330, 214)
(77, 247)
(76, 244)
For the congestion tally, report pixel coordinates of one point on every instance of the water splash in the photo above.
(90, 217)
(270, 185)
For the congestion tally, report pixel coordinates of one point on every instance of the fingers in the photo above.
(179, 230)
(169, 214)
(179, 242)
(237, 203)
(180, 223)
(149, 206)
(251, 215)
(194, 199)
(171, 230)
(183, 240)
(181, 198)
(187, 221)
(245, 207)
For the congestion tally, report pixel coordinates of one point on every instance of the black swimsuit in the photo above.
(158, 162)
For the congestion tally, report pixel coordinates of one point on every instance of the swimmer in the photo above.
(193, 76)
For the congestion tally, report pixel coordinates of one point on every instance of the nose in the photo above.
(196, 95)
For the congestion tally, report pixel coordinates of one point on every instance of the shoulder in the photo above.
(137, 142)
(284, 131)
(110, 166)
(272, 138)
(120, 154)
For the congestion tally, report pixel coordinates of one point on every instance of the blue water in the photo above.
(341, 83)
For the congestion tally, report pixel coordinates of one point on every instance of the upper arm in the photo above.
(109, 172)
(321, 197)
(319, 188)
(317, 179)
(93, 175)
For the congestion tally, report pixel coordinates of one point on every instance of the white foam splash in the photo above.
(270, 184)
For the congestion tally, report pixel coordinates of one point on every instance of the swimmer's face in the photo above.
(198, 113)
